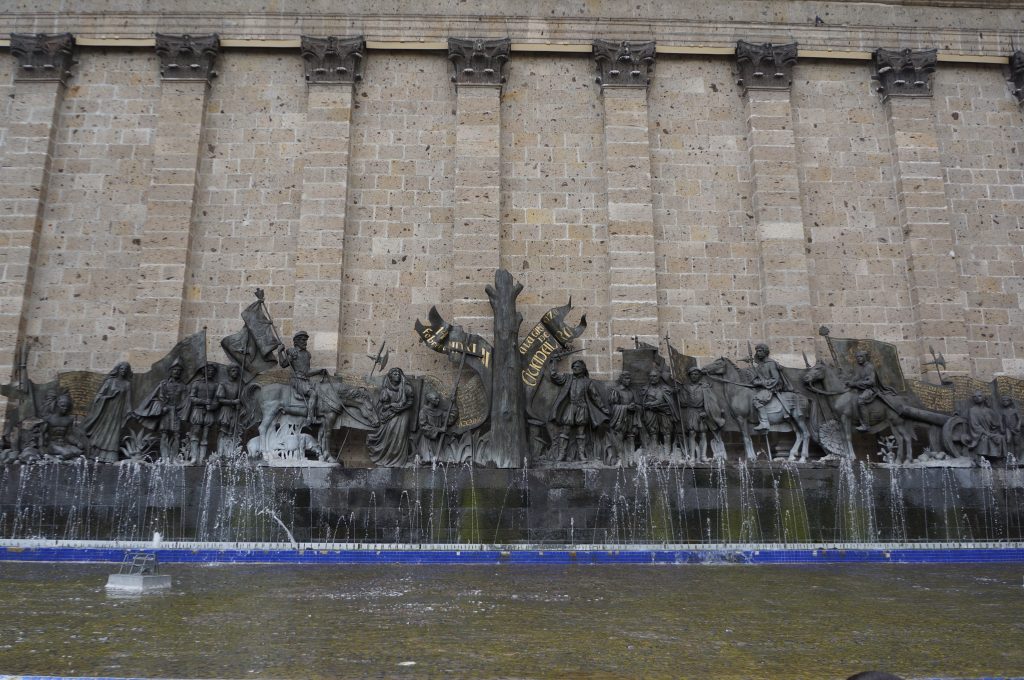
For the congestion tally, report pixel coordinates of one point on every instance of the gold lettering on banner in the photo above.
(538, 333)
(434, 339)
(531, 374)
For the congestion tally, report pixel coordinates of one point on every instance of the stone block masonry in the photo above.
(333, 67)
(140, 207)
(766, 74)
(476, 236)
(156, 320)
(43, 64)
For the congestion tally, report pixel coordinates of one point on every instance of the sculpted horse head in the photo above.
(822, 377)
(720, 367)
(815, 374)
(725, 369)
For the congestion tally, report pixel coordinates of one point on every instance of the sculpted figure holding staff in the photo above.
(768, 380)
(298, 359)
(204, 402)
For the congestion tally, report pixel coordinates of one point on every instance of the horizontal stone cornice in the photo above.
(978, 34)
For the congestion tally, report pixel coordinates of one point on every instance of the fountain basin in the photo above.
(664, 554)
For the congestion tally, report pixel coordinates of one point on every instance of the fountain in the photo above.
(253, 454)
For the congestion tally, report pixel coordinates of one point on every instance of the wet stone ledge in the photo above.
(459, 504)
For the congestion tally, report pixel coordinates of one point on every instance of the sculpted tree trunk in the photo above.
(508, 401)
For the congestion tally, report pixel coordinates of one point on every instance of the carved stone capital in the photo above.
(623, 64)
(333, 60)
(904, 73)
(1017, 75)
(43, 56)
(187, 57)
(478, 61)
(765, 66)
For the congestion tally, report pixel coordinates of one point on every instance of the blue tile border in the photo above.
(41, 551)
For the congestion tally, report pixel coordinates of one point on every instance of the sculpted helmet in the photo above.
(301, 334)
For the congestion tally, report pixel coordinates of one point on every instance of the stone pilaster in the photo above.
(905, 84)
(765, 76)
(477, 73)
(624, 72)
(186, 66)
(44, 62)
(333, 66)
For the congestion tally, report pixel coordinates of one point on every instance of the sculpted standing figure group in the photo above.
(612, 423)
(993, 433)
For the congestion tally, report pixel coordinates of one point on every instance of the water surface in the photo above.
(722, 621)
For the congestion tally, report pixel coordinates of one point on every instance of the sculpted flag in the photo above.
(253, 347)
(881, 354)
(434, 335)
(189, 352)
(551, 333)
(680, 363)
(445, 338)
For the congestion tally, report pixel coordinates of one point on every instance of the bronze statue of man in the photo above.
(703, 415)
(204, 402)
(298, 359)
(164, 410)
(435, 418)
(579, 409)
(59, 436)
(625, 414)
(660, 409)
(229, 402)
(768, 380)
(1009, 415)
(865, 380)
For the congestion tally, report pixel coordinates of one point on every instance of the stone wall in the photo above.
(144, 209)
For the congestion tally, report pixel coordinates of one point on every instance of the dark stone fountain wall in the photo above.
(732, 503)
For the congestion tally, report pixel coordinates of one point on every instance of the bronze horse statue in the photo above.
(881, 413)
(338, 405)
(787, 411)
